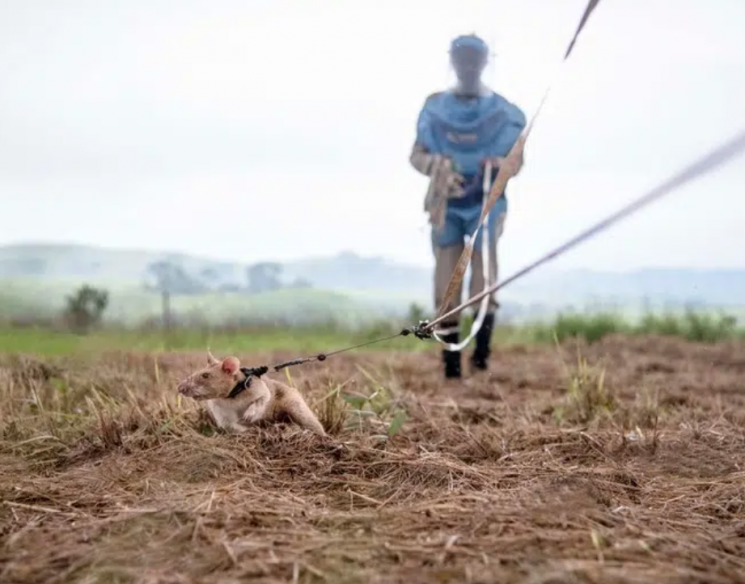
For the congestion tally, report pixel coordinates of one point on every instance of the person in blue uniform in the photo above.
(459, 132)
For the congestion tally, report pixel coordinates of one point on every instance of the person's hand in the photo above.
(448, 180)
(510, 164)
(495, 161)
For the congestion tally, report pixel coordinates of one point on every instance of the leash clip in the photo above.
(420, 332)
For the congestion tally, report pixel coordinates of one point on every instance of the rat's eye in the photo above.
(205, 375)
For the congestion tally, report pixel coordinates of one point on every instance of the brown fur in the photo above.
(264, 400)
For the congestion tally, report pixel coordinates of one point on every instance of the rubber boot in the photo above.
(451, 359)
(480, 357)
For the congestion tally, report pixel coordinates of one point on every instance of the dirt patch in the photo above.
(106, 477)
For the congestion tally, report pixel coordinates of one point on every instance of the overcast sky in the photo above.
(277, 129)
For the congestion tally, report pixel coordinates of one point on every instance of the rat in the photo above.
(236, 400)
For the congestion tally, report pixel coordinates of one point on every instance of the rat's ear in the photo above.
(230, 365)
(211, 359)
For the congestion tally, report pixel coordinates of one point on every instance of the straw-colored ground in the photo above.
(626, 468)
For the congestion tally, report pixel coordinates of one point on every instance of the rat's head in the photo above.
(215, 380)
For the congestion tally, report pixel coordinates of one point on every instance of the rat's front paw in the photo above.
(254, 412)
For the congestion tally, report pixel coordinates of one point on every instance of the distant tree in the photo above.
(209, 276)
(85, 307)
(167, 275)
(174, 278)
(23, 267)
(416, 313)
(171, 279)
(264, 277)
(301, 283)
(231, 287)
(160, 272)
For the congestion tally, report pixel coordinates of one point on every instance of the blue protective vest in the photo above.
(468, 130)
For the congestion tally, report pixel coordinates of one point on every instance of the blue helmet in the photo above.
(468, 56)
(471, 43)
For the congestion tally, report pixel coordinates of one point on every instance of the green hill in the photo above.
(35, 278)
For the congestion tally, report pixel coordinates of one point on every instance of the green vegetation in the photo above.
(310, 339)
(84, 309)
(690, 325)
(587, 396)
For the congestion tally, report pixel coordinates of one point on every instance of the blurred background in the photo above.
(240, 163)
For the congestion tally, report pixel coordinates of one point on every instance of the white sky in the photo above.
(169, 124)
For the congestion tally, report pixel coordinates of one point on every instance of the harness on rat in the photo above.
(244, 384)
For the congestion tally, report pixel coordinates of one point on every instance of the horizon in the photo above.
(331, 256)
(172, 121)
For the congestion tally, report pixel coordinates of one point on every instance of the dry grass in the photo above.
(622, 465)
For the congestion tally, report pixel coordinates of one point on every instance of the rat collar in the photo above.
(245, 383)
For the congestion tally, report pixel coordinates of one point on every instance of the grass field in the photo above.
(615, 455)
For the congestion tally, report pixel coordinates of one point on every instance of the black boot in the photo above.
(480, 357)
(451, 359)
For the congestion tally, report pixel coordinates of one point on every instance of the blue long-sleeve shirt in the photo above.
(469, 130)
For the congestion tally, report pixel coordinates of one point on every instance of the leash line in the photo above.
(324, 356)
(251, 372)
(423, 330)
(708, 162)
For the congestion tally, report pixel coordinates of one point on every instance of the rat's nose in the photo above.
(182, 389)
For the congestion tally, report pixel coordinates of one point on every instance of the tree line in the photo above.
(168, 276)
